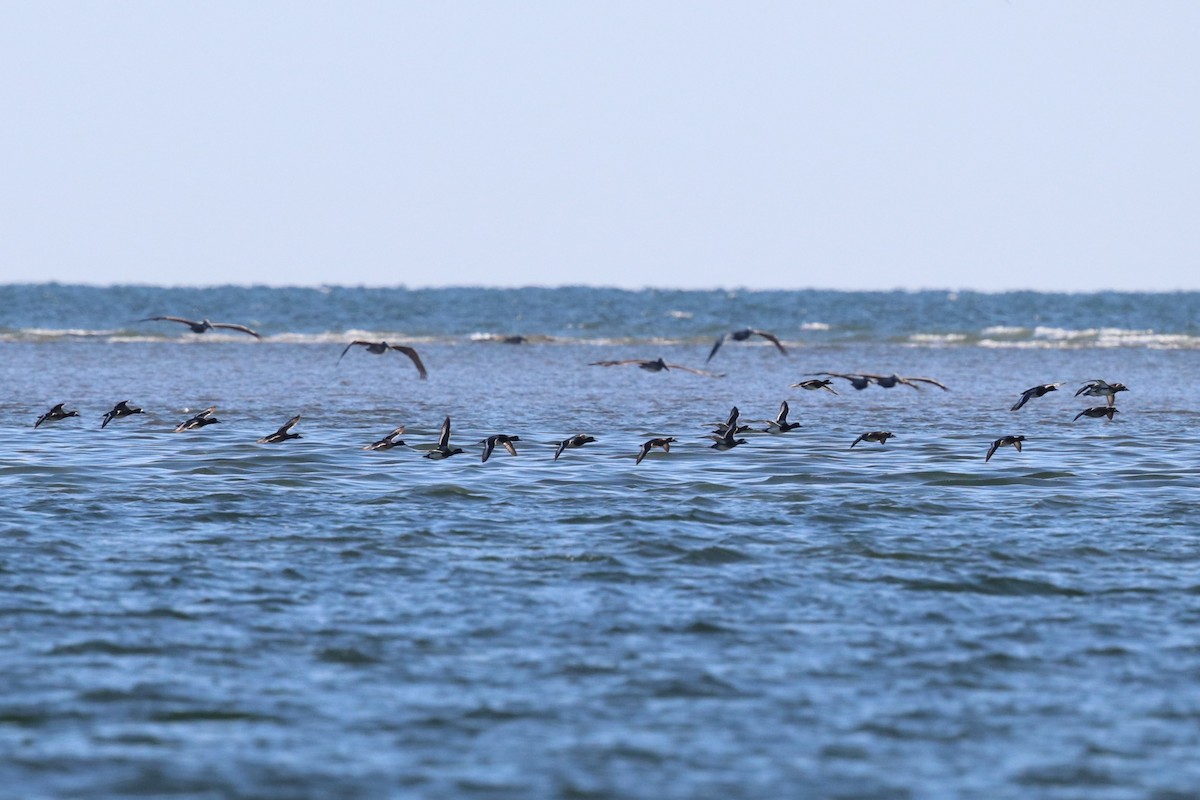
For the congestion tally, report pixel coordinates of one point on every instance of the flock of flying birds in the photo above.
(725, 435)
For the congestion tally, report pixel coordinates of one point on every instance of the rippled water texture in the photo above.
(199, 615)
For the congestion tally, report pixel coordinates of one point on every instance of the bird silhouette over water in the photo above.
(875, 436)
(382, 347)
(1099, 388)
(647, 446)
(387, 442)
(443, 449)
(119, 411)
(656, 365)
(743, 335)
(888, 381)
(283, 434)
(504, 440)
(780, 424)
(1095, 412)
(55, 414)
(814, 384)
(858, 381)
(578, 440)
(1035, 391)
(1004, 441)
(205, 417)
(203, 325)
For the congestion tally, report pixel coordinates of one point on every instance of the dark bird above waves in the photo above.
(780, 424)
(743, 335)
(283, 434)
(387, 442)
(502, 439)
(875, 436)
(443, 449)
(119, 411)
(1004, 441)
(656, 365)
(859, 382)
(205, 417)
(1035, 391)
(55, 414)
(888, 381)
(814, 384)
(203, 325)
(382, 347)
(1095, 412)
(647, 446)
(578, 440)
(1099, 388)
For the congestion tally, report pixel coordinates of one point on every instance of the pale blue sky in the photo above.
(983, 144)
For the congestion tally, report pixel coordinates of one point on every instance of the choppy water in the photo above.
(199, 615)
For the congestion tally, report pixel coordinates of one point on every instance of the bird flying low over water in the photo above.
(724, 438)
(55, 414)
(663, 442)
(813, 384)
(387, 442)
(888, 381)
(780, 424)
(858, 381)
(1095, 412)
(121, 409)
(1004, 441)
(504, 440)
(203, 325)
(205, 417)
(578, 440)
(283, 434)
(443, 450)
(1035, 391)
(1099, 388)
(383, 347)
(743, 335)
(875, 436)
(656, 365)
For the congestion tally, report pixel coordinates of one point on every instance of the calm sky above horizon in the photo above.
(864, 145)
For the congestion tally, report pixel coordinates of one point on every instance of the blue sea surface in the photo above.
(199, 615)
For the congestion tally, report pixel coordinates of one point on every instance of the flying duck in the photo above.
(121, 409)
(1099, 388)
(656, 365)
(875, 436)
(780, 424)
(578, 440)
(1095, 412)
(506, 441)
(1035, 391)
(743, 335)
(205, 417)
(55, 414)
(1004, 441)
(813, 384)
(387, 442)
(442, 450)
(283, 434)
(664, 443)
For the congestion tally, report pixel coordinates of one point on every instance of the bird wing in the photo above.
(416, 359)
(291, 423)
(716, 346)
(507, 441)
(642, 453)
(233, 327)
(1017, 444)
(489, 444)
(938, 384)
(782, 416)
(703, 372)
(1025, 397)
(347, 350)
(992, 450)
(170, 319)
(558, 451)
(444, 436)
(859, 439)
(772, 338)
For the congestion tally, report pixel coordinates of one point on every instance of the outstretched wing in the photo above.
(716, 346)
(772, 338)
(170, 319)
(416, 359)
(938, 384)
(347, 350)
(694, 371)
(233, 327)
(992, 450)
(444, 436)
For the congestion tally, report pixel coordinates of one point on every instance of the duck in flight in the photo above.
(1004, 441)
(743, 335)
(813, 384)
(1095, 412)
(1099, 388)
(1035, 391)
(875, 436)
(204, 325)
(724, 438)
(382, 347)
(578, 440)
(780, 424)
(443, 450)
(655, 365)
(663, 442)
(859, 382)
(504, 440)
(55, 414)
(121, 409)
(388, 442)
(205, 417)
(888, 381)
(283, 434)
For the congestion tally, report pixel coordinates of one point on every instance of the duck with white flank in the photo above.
(1099, 388)
(743, 335)
(578, 440)
(780, 424)
(204, 325)
(283, 434)
(387, 442)
(725, 440)
(1095, 412)
(1004, 441)
(1035, 391)
(663, 442)
(875, 436)
(655, 365)
(120, 410)
(382, 347)
(813, 384)
(443, 450)
(205, 417)
(55, 414)
(504, 440)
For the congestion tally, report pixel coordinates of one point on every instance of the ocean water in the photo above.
(198, 615)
